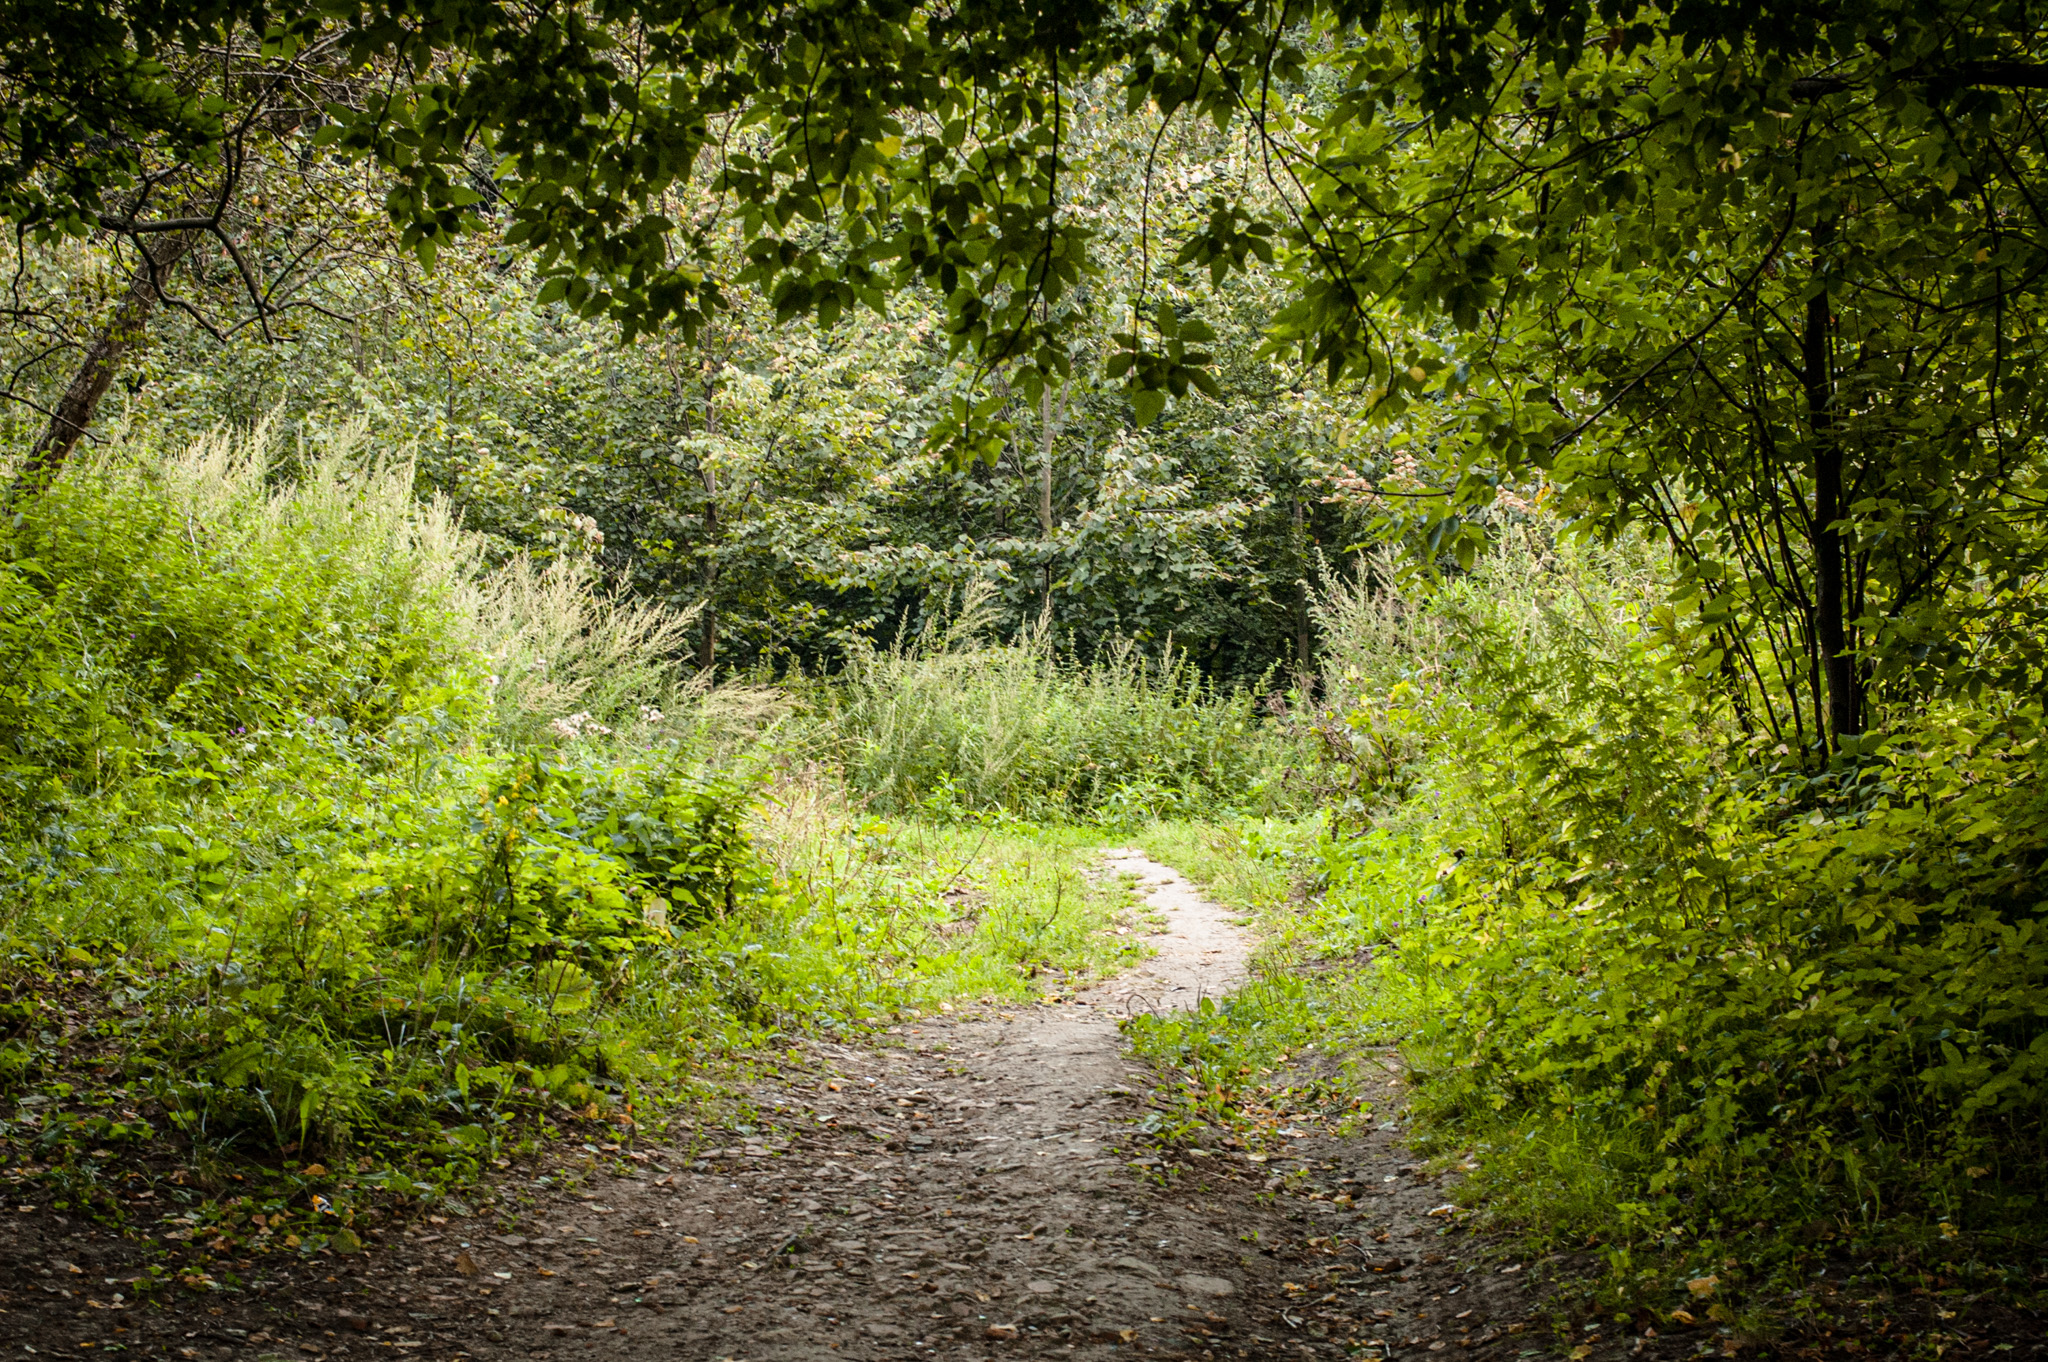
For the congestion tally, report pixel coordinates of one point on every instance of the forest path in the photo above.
(958, 1196)
(972, 1188)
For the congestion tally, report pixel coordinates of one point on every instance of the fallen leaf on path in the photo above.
(1703, 1286)
(1006, 1331)
(465, 1264)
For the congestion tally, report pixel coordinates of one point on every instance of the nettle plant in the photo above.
(468, 949)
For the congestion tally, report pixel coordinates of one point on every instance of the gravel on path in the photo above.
(974, 1188)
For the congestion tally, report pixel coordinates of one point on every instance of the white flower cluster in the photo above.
(650, 715)
(577, 726)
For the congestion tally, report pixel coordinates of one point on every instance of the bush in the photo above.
(253, 746)
(141, 603)
(451, 951)
(1671, 981)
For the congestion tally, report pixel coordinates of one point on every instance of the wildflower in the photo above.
(576, 725)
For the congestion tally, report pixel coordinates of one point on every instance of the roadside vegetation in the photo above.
(342, 859)
(349, 861)
(1702, 1032)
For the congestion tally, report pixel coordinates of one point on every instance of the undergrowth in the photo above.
(1750, 1039)
(952, 723)
(343, 864)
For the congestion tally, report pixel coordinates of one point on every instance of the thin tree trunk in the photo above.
(1304, 634)
(1049, 423)
(1831, 634)
(707, 642)
(1045, 438)
(75, 410)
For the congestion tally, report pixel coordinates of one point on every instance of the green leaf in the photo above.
(1147, 403)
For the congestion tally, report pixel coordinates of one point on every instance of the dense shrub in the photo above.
(1673, 980)
(382, 837)
(143, 600)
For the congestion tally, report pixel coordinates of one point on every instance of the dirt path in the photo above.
(973, 1189)
(974, 1193)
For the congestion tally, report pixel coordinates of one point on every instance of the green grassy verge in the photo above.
(1299, 1042)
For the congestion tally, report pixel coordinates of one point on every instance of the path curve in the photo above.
(973, 1188)
(961, 1196)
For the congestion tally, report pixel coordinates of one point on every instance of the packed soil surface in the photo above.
(975, 1187)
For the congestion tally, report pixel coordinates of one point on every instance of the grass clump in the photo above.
(952, 724)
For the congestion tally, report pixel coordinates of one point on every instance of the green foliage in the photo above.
(1668, 982)
(377, 853)
(949, 722)
(251, 740)
(155, 616)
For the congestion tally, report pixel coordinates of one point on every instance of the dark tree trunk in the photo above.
(707, 642)
(1831, 633)
(1304, 631)
(75, 410)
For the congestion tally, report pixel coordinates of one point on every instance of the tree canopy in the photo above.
(1765, 275)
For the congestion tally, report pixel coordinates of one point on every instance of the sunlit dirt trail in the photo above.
(964, 1196)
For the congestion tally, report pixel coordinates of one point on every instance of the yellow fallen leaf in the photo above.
(1703, 1286)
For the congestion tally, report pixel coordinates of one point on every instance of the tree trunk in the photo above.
(707, 642)
(1831, 633)
(1045, 438)
(1304, 632)
(81, 401)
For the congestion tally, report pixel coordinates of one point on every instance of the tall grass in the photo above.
(952, 721)
(386, 838)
